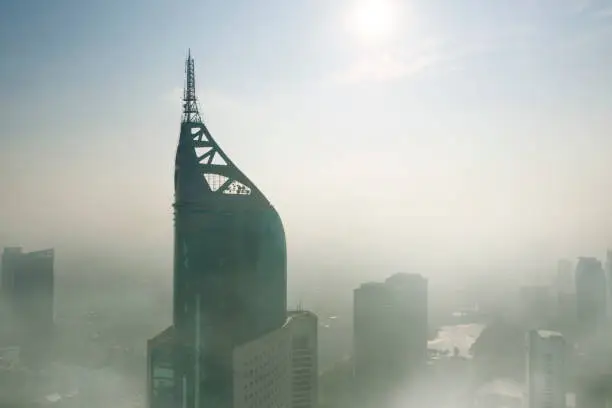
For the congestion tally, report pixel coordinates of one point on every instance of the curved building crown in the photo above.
(203, 172)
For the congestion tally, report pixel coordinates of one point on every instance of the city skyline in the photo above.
(369, 204)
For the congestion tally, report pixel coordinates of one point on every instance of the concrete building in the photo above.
(537, 306)
(28, 294)
(609, 280)
(546, 369)
(280, 368)
(230, 263)
(262, 371)
(591, 295)
(390, 330)
(277, 370)
(304, 352)
(160, 370)
(564, 281)
(11, 257)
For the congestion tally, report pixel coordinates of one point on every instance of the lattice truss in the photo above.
(219, 172)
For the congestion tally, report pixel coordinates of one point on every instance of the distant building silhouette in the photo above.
(28, 294)
(565, 277)
(230, 283)
(591, 295)
(537, 304)
(11, 258)
(565, 306)
(390, 331)
(609, 280)
(546, 369)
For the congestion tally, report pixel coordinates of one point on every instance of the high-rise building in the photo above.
(565, 277)
(28, 294)
(546, 365)
(537, 305)
(279, 369)
(609, 280)
(390, 330)
(590, 295)
(229, 264)
(9, 265)
(11, 257)
(565, 307)
(160, 371)
(304, 354)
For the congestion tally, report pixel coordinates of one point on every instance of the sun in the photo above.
(373, 21)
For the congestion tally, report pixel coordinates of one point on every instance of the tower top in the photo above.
(191, 113)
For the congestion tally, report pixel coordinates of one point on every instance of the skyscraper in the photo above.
(609, 280)
(564, 281)
(28, 293)
(229, 264)
(11, 257)
(566, 295)
(590, 295)
(546, 367)
(536, 305)
(304, 365)
(279, 369)
(161, 385)
(390, 330)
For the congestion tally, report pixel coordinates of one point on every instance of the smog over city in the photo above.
(306, 204)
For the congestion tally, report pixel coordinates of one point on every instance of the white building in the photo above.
(261, 371)
(279, 370)
(304, 353)
(545, 369)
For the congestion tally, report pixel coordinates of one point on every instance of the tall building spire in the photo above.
(202, 167)
(190, 102)
(230, 272)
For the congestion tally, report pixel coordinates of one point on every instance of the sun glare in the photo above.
(373, 21)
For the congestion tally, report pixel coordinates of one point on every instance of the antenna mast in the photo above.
(191, 113)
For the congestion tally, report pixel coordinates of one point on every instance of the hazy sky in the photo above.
(419, 134)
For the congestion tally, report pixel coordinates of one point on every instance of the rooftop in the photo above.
(547, 334)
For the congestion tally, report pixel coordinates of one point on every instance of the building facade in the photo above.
(279, 369)
(564, 281)
(609, 281)
(28, 295)
(303, 329)
(390, 330)
(230, 284)
(262, 371)
(546, 369)
(276, 370)
(11, 258)
(591, 295)
(537, 305)
(160, 370)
